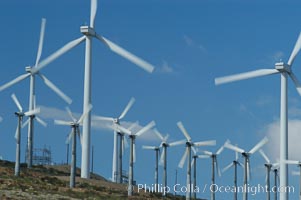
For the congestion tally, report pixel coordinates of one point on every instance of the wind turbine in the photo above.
(163, 158)
(89, 33)
(285, 69)
(20, 114)
(276, 177)
(268, 165)
(116, 154)
(213, 156)
(187, 154)
(246, 155)
(74, 124)
(31, 72)
(298, 163)
(234, 163)
(133, 137)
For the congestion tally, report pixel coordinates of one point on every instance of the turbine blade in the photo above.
(32, 112)
(146, 128)
(1, 119)
(70, 114)
(16, 134)
(41, 41)
(203, 156)
(121, 129)
(259, 145)
(14, 81)
(127, 108)
(161, 162)
(58, 53)
(182, 128)
(69, 137)
(219, 151)
(158, 134)
(194, 150)
(236, 155)
(101, 118)
(133, 125)
(217, 168)
(292, 162)
(26, 122)
(85, 114)
(126, 54)
(192, 163)
(234, 148)
(166, 137)
(245, 75)
(80, 136)
(125, 141)
(15, 99)
(205, 143)
(227, 167)
(177, 143)
(208, 153)
(61, 122)
(295, 50)
(296, 82)
(181, 163)
(55, 89)
(43, 123)
(93, 12)
(149, 147)
(264, 156)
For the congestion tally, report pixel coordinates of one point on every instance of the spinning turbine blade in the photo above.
(296, 82)
(159, 134)
(58, 53)
(194, 150)
(203, 156)
(15, 99)
(69, 137)
(25, 124)
(16, 134)
(234, 148)
(219, 151)
(217, 168)
(61, 122)
(162, 157)
(208, 153)
(84, 114)
(166, 137)
(16, 80)
(259, 145)
(146, 128)
(121, 129)
(101, 118)
(41, 121)
(227, 167)
(149, 147)
(55, 89)
(177, 143)
(205, 143)
(245, 75)
(192, 163)
(80, 136)
(32, 112)
(181, 163)
(127, 55)
(127, 108)
(126, 144)
(40, 48)
(264, 156)
(181, 127)
(70, 114)
(93, 12)
(292, 162)
(295, 50)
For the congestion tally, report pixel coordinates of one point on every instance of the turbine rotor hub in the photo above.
(87, 30)
(283, 67)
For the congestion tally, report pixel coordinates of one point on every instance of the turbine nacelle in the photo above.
(283, 67)
(88, 31)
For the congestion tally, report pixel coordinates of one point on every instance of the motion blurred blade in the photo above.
(16, 134)
(259, 145)
(177, 143)
(58, 53)
(1, 119)
(133, 125)
(205, 143)
(80, 136)
(15, 99)
(217, 168)
(127, 108)
(264, 156)
(12, 82)
(236, 155)
(87, 111)
(93, 12)
(121, 129)
(146, 128)
(55, 89)
(69, 137)
(227, 167)
(126, 144)
(203, 156)
(182, 128)
(32, 112)
(149, 147)
(208, 153)
(194, 150)
(181, 163)
(61, 122)
(292, 162)
(245, 75)
(127, 55)
(296, 82)
(70, 114)
(166, 137)
(219, 151)
(41, 41)
(192, 163)
(101, 118)
(158, 134)
(43, 123)
(26, 122)
(275, 165)
(161, 162)
(234, 148)
(295, 50)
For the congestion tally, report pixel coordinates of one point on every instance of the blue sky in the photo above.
(190, 43)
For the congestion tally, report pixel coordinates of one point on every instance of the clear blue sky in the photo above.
(190, 43)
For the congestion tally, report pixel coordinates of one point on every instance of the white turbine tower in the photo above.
(89, 33)
(120, 135)
(268, 165)
(32, 72)
(285, 70)
(157, 151)
(74, 124)
(214, 165)
(246, 155)
(297, 163)
(234, 163)
(187, 154)
(20, 114)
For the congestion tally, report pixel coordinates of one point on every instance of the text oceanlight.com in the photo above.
(178, 188)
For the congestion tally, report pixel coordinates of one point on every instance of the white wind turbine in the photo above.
(32, 71)
(285, 69)
(89, 33)
(268, 165)
(190, 145)
(298, 163)
(246, 155)
(234, 163)
(122, 141)
(133, 137)
(20, 114)
(74, 124)
(214, 165)
(163, 158)
(157, 151)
